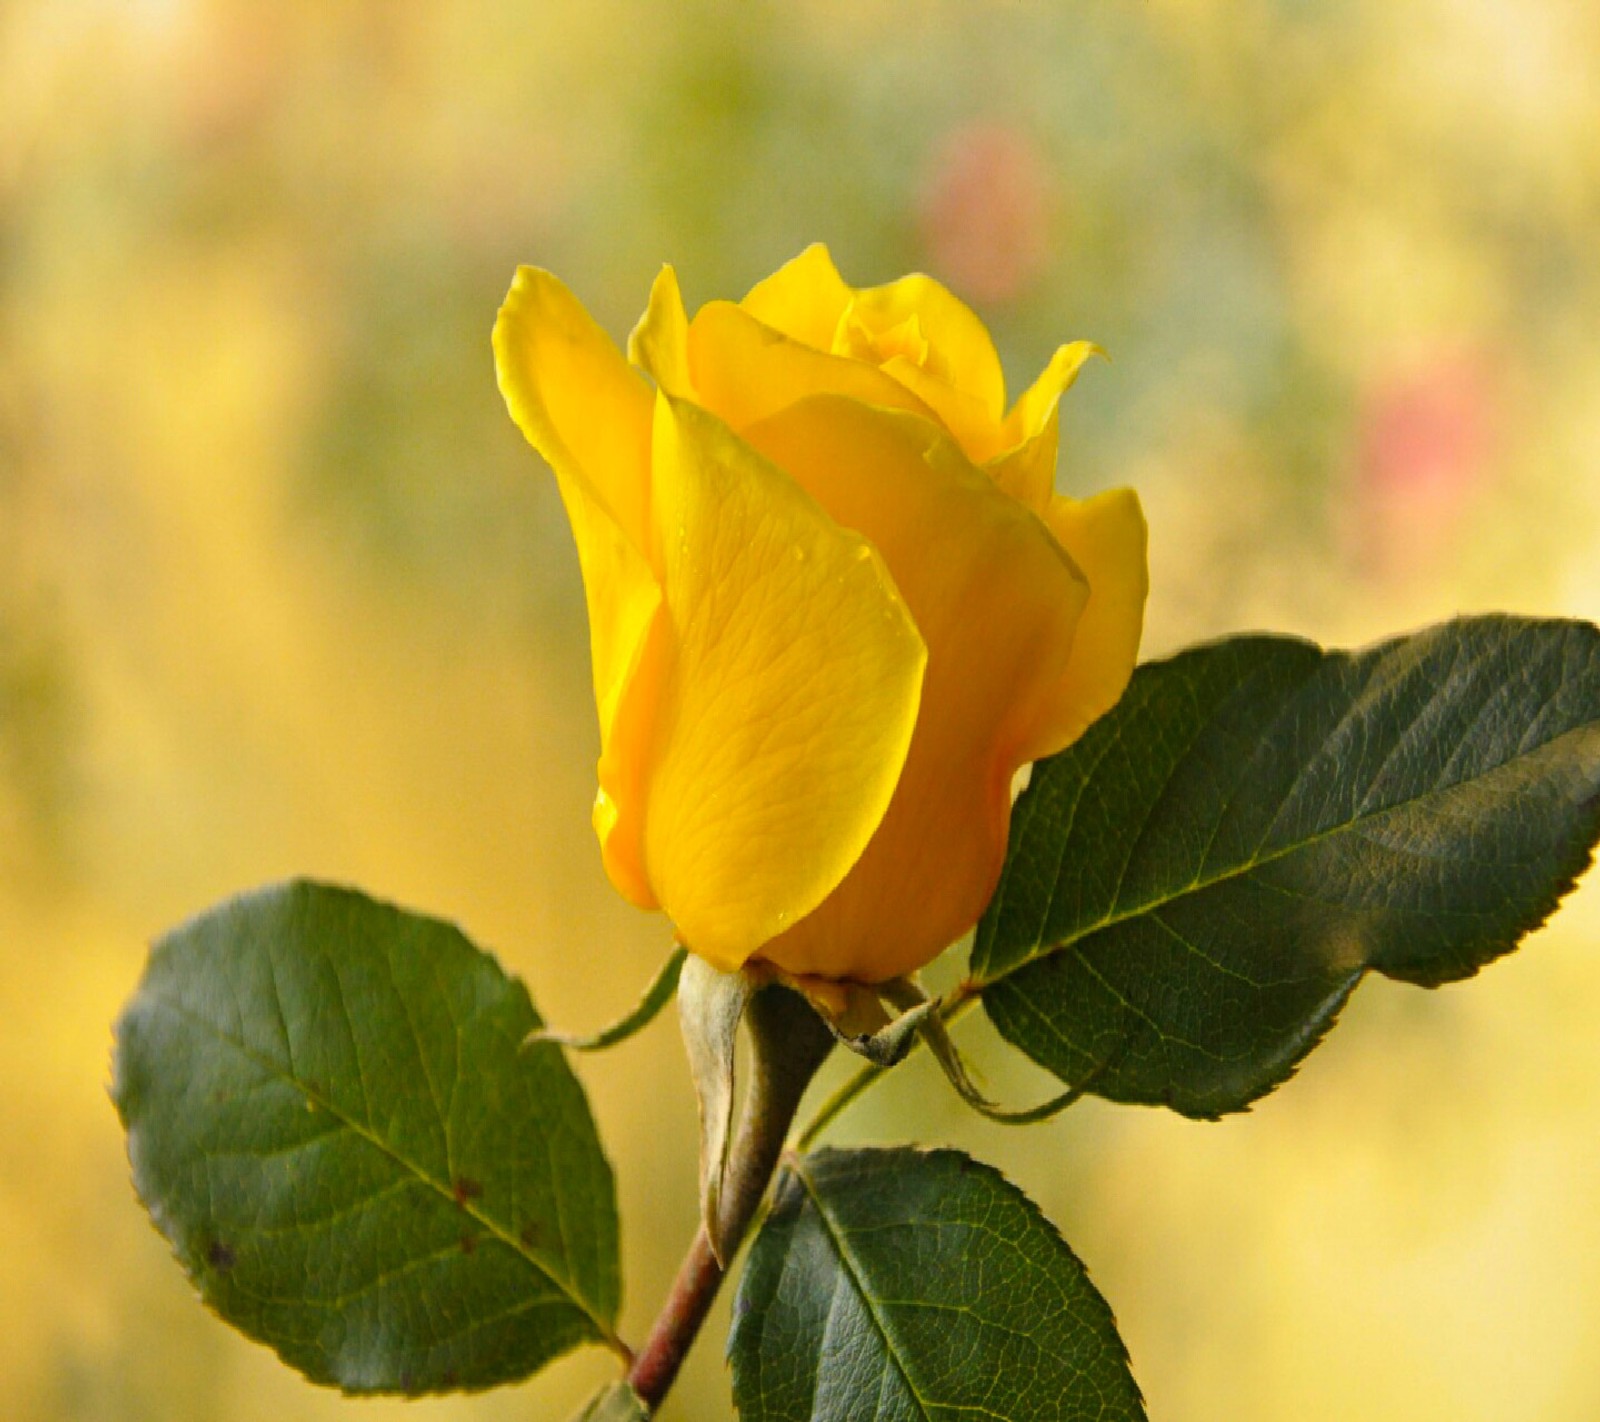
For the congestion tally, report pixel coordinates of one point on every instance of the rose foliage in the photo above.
(835, 604)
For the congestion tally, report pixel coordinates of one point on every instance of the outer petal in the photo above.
(960, 351)
(1106, 537)
(1035, 405)
(574, 397)
(997, 603)
(580, 406)
(659, 344)
(803, 299)
(1027, 469)
(787, 713)
(744, 371)
(1028, 472)
(629, 663)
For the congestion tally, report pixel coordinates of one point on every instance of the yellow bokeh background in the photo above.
(281, 590)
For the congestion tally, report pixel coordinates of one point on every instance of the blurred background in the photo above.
(282, 590)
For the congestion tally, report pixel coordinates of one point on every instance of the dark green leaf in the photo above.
(329, 1117)
(905, 1285)
(1195, 887)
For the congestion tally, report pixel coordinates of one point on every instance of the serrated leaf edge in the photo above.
(443, 1190)
(1324, 657)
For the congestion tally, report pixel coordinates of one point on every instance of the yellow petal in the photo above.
(1106, 537)
(786, 714)
(960, 352)
(962, 414)
(1027, 468)
(803, 298)
(575, 398)
(1028, 472)
(997, 603)
(1038, 402)
(744, 371)
(630, 647)
(580, 406)
(659, 344)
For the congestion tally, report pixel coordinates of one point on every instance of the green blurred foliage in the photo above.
(281, 590)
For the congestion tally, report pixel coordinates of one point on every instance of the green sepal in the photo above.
(656, 996)
(859, 1020)
(615, 1402)
(788, 1042)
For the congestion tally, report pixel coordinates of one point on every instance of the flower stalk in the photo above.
(788, 1043)
(655, 1366)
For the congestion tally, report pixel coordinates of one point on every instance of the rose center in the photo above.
(860, 341)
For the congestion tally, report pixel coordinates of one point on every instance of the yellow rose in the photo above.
(834, 603)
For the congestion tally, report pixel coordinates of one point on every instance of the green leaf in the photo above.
(908, 1285)
(329, 1117)
(1194, 889)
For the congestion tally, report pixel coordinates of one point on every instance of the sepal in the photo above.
(615, 1402)
(788, 1042)
(640, 1016)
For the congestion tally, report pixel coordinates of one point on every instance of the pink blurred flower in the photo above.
(984, 214)
(1424, 447)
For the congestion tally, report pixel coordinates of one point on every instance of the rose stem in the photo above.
(655, 1366)
(788, 1044)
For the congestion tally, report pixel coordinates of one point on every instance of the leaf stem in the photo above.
(845, 1094)
(619, 1345)
(839, 1101)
